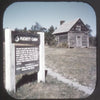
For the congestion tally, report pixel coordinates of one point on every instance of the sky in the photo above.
(25, 14)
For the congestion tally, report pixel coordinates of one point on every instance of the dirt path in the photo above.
(87, 90)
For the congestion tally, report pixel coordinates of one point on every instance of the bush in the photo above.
(53, 43)
(63, 45)
(92, 41)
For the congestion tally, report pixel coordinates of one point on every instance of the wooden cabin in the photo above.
(74, 34)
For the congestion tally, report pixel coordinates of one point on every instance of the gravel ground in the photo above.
(77, 64)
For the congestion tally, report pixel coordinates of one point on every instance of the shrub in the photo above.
(62, 45)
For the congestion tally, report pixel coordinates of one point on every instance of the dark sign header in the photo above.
(25, 38)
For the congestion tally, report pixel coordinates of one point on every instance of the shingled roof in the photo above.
(65, 27)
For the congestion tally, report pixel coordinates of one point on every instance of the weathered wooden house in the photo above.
(74, 34)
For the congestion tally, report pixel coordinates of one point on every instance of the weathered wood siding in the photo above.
(72, 39)
(79, 23)
(75, 32)
(62, 38)
(84, 40)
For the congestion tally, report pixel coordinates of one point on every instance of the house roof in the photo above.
(65, 27)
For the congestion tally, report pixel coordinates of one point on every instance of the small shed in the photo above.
(74, 34)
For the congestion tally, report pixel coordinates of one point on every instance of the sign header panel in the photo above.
(25, 38)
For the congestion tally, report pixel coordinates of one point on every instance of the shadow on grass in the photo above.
(28, 78)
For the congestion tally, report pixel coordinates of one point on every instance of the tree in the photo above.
(89, 28)
(37, 28)
(49, 37)
(32, 28)
(92, 39)
(25, 28)
(16, 29)
(21, 30)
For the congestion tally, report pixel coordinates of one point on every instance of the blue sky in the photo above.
(25, 14)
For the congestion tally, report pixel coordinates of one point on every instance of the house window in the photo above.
(78, 28)
(63, 38)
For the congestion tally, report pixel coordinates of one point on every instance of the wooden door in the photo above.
(78, 41)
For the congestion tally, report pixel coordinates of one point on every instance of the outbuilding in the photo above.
(74, 34)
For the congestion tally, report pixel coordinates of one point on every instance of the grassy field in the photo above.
(77, 64)
(51, 89)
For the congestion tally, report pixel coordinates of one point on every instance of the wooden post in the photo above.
(41, 73)
(9, 62)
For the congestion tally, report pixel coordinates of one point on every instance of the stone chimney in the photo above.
(61, 22)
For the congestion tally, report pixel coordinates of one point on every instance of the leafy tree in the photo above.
(92, 39)
(16, 29)
(49, 37)
(32, 28)
(25, 28)
(90, 30)
(21, 30)
(37, 28)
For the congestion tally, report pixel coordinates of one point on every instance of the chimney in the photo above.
(61, 22)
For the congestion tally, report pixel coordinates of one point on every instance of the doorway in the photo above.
(78, 41)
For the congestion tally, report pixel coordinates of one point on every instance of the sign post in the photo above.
(9, 62)
(41, 73)
(24, 52)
